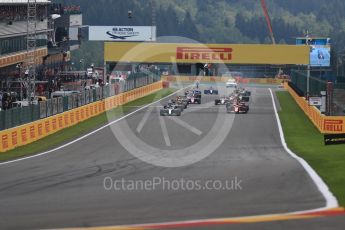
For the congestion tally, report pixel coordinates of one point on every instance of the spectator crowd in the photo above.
(19, 12)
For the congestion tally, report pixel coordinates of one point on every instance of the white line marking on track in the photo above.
(331, 201)
(165, 131)
(186, 125)
(138, 106)
(90, 133)
(144, 119)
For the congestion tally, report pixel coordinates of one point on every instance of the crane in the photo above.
(269, 25)
(268, 21)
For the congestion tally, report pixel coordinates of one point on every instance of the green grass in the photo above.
(75, 131)
(305, 140)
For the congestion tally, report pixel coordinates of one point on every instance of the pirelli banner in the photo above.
(147, 52)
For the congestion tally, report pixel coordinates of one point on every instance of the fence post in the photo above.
(43, 109)
(65, 103)
(55, 105)
(60, 104)
(2, 120)
(49, 107)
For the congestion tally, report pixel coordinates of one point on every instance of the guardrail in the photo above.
(325, 124)
(222, 79)
(33, 131)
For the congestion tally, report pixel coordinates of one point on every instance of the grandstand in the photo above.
(57, 32)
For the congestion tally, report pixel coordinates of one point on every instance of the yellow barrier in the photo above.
(263, 80)
(222, 79)
(325, 124)
(28, 133)
(195, 78)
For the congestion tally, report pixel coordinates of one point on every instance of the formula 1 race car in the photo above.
(244, 99)
(222, 100)
(211, 91)
(196, 93)
(245, 93)
(237, 108)
(182, 100)
(231, 83)
(170, 110)
(187, 92)
(232, 98)
(194, 99)
(179, 106)
(192, 91)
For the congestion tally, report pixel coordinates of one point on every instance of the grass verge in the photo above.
(304, 139)
(75, 131)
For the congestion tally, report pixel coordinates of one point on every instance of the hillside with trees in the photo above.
(221, 21)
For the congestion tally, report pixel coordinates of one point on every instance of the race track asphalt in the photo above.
(66, 188)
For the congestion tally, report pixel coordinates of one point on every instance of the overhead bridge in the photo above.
(205, 53)
(190, 58)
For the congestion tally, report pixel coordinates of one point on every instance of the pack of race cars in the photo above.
(236, 102)
(175, 107)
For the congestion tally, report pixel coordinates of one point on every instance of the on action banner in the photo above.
(122, 33)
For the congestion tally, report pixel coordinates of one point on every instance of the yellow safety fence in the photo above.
(325, 124)
(222, 79)
(194, 78)
(260, 80)
(28, 133)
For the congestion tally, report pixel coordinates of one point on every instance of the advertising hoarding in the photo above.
(205, 53)
(122, 33)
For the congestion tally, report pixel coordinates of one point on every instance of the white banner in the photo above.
(73, 33)
(76, 20)
(317, 101)
(122, 33)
